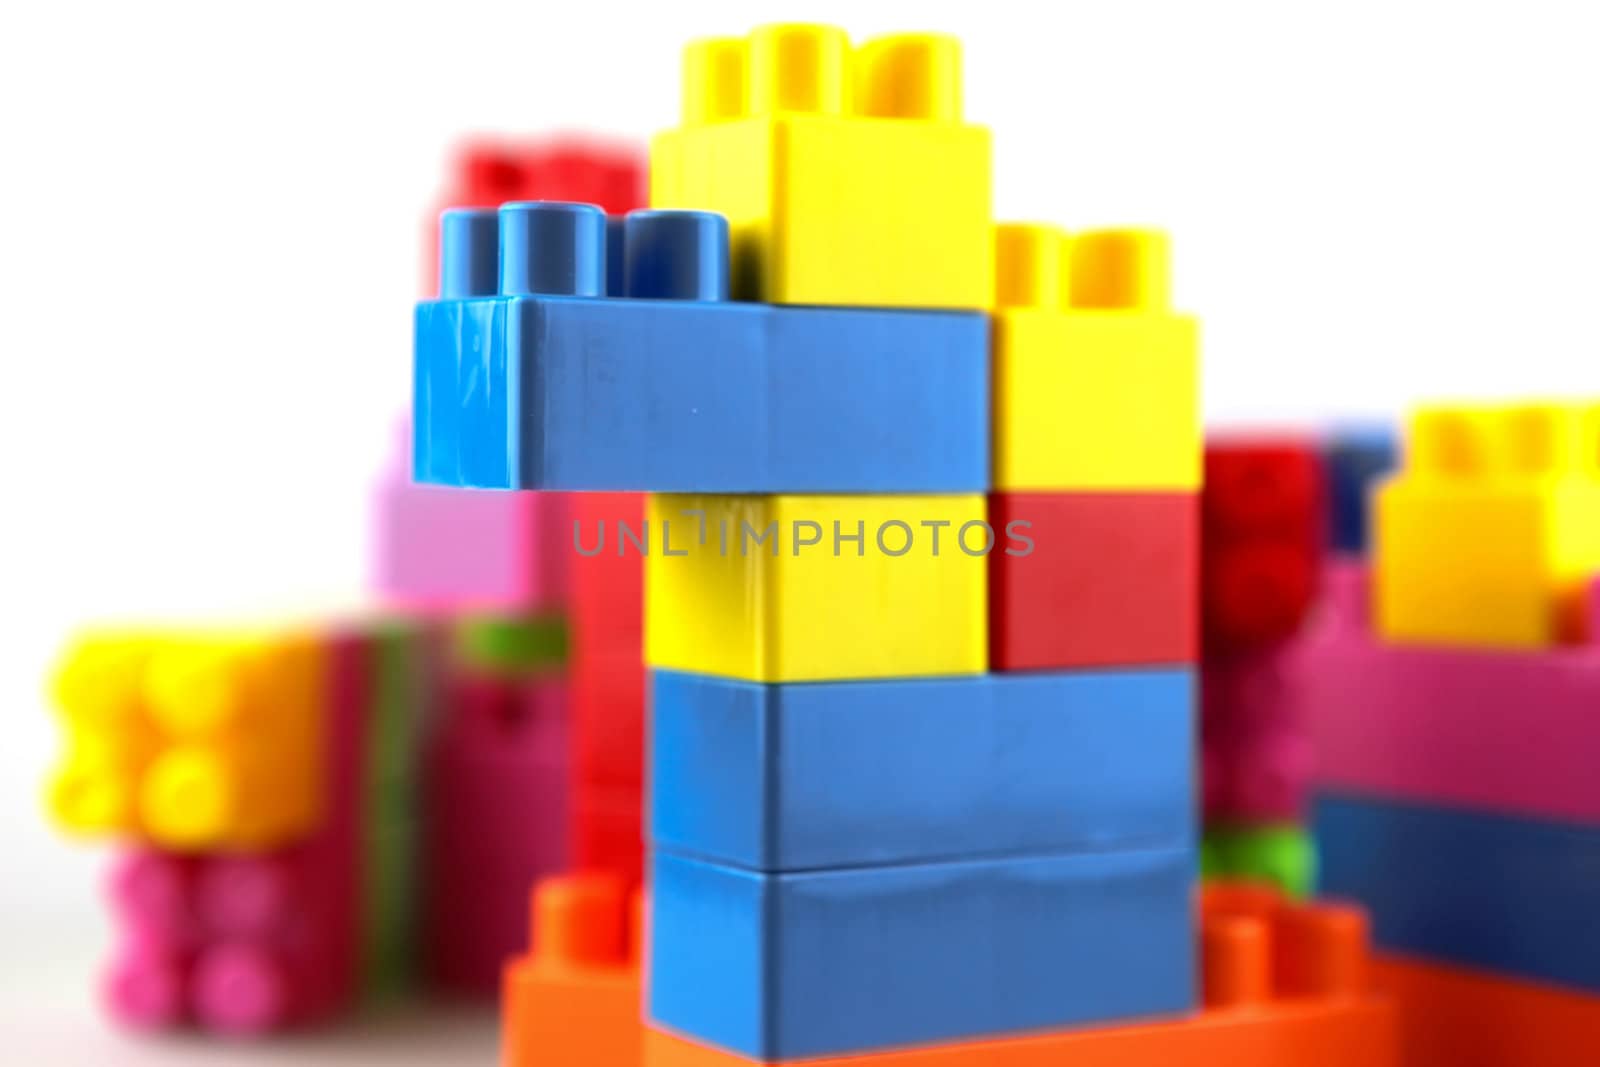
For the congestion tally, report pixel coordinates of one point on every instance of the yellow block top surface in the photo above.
(801, 69)
(1495, 443)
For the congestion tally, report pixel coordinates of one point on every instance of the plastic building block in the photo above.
(1264, 536)
(1261, 776)
(1504, 893)
(1354, 458)
(1281, 855)
(551, 385)
(849, 774)
(519, 555)
(1489, 534)
(494, 822)
(609, 834)
(1127, 564)
(404, 676)
(872, 958)
(191, 741)
(1096, 380)
(802, 588)
(575, 997)
(1506, 731)
(846, 172)
(1284, 985)
(1468, 1018)
(514, 646)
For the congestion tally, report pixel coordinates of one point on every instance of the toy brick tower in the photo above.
(920, 594)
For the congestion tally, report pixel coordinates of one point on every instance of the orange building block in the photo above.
(1458, 1018)
(1286, 985)
(575, 999)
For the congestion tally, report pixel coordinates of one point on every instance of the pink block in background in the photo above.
(443, 549)
(1260, 778)
(146, 984)
(1515, 732)
(495, 821)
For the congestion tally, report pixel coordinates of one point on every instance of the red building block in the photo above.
(1110, 581)
(608, 680)
(1263, 538)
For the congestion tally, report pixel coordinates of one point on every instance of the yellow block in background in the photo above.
(1096, 380)
(190, 741)
(754, 600)
(1491, 533)
(846, 175)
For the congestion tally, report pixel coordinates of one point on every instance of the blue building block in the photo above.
(1354, 458)
(1509, 894)
(776, 966)
(546, 384)
(819, 775)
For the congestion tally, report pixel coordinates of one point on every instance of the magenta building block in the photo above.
(243, 989)
(1505, 731)
(153, 892)
(447, 549)
(250, 896)
(495, 821)
(1260, 778)
(144, 987)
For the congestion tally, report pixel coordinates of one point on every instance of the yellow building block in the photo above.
(846, 175)
(191, 741)
(1489, 535)
(1096, 380)
(780, 588)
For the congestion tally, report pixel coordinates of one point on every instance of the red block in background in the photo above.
(1263, 538)
(610, 174)
(1110, 582)
(610, 832)
(608, 681)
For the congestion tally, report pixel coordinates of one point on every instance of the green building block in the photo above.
(1281, 854)
(511, 645)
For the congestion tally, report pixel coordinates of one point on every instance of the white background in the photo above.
(211, 234)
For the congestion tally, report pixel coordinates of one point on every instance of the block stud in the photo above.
(552, 249)
(1028, 265)
(581, 919)
(1543, 439)
(1236, 952)
(1120, 270)
(469, 251)
(798, 68)
(676, 255)
(1321, 950)
(714, 78)
(1448, 442)
(910, 76)
(187, 798)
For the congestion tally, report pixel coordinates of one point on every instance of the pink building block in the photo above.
(146, 985)
(441, 549)
(1514, 732)
(495, 821)
(1257, 763)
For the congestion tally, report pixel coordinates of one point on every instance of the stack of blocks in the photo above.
(1453, 714)
(261, 778)
(1264, 536)
(862, 838)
